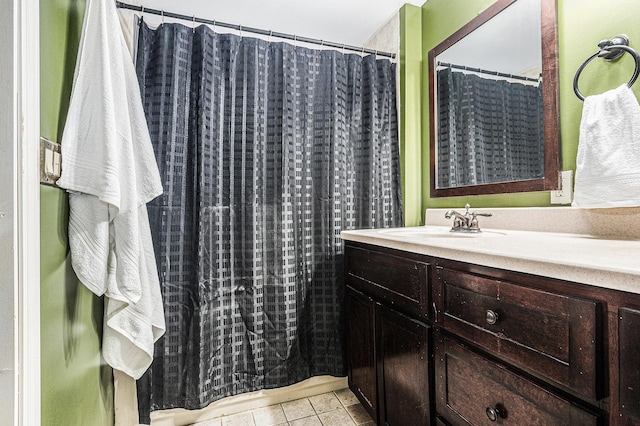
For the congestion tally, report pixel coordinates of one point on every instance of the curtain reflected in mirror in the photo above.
(490, 128)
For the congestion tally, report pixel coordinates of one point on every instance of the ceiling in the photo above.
(350, 22)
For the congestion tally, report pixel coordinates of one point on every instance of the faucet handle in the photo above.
(474, 214)
(473, 222)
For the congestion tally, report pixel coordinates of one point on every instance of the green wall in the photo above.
(76, 384)
(410, 111)
(581, 25)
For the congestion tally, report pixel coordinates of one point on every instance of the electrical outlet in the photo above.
(564, 195)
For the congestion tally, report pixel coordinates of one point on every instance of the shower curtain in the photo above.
(489, 130)
(267, 151)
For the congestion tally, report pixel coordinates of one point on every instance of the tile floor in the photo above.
(339, 408)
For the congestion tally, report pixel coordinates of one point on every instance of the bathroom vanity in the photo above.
(505, 326)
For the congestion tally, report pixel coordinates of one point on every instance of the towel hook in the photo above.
(610, 50)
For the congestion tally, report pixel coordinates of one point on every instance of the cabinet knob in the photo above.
(491, 317)
(493, 414)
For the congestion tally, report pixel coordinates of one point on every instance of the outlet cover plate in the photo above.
(564, 195)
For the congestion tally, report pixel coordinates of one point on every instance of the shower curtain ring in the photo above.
(270, 34)
(240, 27)
(194, 24)
(162, 14)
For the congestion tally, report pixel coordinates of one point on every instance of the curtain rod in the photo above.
(241, 28)
(481, 71)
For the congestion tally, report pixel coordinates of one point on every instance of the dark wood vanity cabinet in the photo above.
(449, 343)
(388, 338)
(472, 389)
(361, 349)
(555, 336)
(397, 279)
(626, 360)
(403, 369)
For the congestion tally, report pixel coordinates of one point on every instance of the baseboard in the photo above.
(248, 401)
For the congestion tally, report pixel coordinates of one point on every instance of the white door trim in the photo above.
(21, 115)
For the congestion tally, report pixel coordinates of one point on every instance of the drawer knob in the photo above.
(491, 317)
(493, 414)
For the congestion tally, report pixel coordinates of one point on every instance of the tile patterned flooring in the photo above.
(339, 408)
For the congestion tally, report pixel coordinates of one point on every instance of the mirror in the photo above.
(493, 97)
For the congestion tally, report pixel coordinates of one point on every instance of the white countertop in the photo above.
(609, 262)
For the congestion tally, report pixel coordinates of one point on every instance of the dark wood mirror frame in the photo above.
(551, 110)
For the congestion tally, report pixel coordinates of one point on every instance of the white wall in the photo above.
(387, 37)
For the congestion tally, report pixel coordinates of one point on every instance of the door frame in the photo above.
(20, 211)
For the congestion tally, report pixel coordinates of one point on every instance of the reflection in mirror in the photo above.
(493, 102)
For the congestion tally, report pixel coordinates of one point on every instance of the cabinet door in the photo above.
(629, 375)
(403, 369)
(361, 361)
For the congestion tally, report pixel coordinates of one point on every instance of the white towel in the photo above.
(608, 162)
(109, 169)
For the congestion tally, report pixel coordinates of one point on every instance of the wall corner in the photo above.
(411, 113)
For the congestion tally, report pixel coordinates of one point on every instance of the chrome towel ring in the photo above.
(610, 50)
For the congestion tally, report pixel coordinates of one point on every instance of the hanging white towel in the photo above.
(109, 169)
(608, 162)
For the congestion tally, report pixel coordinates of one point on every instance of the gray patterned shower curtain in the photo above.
(489, 130)
(267, 151)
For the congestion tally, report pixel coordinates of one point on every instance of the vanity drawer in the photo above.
(471, 389)
(401, 282)
(553, 336)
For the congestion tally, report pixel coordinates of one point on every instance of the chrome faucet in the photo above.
(467, 222)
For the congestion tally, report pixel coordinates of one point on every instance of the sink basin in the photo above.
(436, 232)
